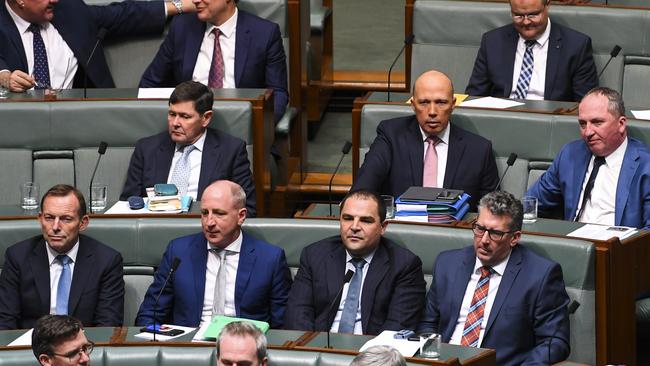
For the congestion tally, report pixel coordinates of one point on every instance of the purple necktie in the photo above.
(217, 69)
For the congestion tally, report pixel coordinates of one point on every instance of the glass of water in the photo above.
(29, 195)
(389, 201)
(4, 87)
(530, 209)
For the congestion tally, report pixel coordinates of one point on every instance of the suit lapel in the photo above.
(199, 257)
(509, 66)
(83, 266)
(454, 155)
(378, 268)
(193, 42)
(40, 266)
(242, 43)
(509, 276)
(582, 157)
(628, 170)
(209, 161)
(335, 274)
(247, 258)
(416, 152)
(9, 27)
(460, 280)
(552, 60)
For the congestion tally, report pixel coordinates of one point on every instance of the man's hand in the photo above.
(17, 81)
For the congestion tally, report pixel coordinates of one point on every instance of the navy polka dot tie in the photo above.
(41, 67)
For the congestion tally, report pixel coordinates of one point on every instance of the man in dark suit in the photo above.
(385, 294)
(68, 31)
(248, 52)
(498, 294)
(397, 158)
(618, 193)
(222, 271)
(213, 154)
(61, 272)
(533, 59)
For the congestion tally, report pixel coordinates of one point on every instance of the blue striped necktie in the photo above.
(41, 67)
(526, 71)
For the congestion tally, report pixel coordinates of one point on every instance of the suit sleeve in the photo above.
(110, 299)
(9, 293)
(479, 82)
(548, 190)
(129, 18)
(241, 174)
(551, 321)
(585, 76)
(430, 321)
(166, 301)
(376, 165)
(160, 72)
(276, 73)
(407, 300)
(134, 185)
(301, 313)
(645, 202)
(279, 291)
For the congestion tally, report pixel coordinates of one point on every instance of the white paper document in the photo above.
(164, 338)
(198, 336)
(155, 93)
(23, 340)
(490, 102)
(405, 347)
(641, 114)
(602, 232)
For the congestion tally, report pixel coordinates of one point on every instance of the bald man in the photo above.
(425, 149)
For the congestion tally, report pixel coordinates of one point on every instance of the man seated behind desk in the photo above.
(60, 271)
(386, 291)
(498, 294)
(47, 43)
(533, 59)
(222, 271)
(603, 179)
(427, 150)
(189, 154)
(222, 47)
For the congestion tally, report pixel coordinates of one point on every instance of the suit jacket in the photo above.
(570, 68)
(560, 186)
(96, 293)
(79, 24)
(396, 158)
(259, 56)
(529, 310)
(261, 288)
(224, 157)
(391, 298)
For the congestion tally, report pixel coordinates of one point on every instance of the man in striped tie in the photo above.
(498, 294)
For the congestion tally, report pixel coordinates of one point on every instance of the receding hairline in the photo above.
(437, 77)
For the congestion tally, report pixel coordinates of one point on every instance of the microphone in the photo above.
(345, 150)
(510, 162)
(346, 279)
(612, 55)
(573, 306)
(175, 263)
(101, 151)
(101, 34)
(407, 41)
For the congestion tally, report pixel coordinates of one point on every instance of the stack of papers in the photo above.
(417, 208)
(602, 232)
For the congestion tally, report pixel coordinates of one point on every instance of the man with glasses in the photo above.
(498, 294)
(60, 340)
(533, 59)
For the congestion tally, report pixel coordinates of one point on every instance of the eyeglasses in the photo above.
(73, 356)
(495, 235)
(533, 17)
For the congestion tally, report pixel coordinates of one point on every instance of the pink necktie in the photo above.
(430, 171)
(217, 70)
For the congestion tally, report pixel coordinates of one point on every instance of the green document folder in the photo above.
(218, 322)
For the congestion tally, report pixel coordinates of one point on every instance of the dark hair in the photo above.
(62, 190)
(241, 329)
(192, 91)
(615, 106)
(51, 330)
(367, 195)
(502, 203)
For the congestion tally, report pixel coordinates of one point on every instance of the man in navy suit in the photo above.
(69, 30)
(618, 193)
(215, 155)
(562, 64)
(222, 270)
(396, 159)
(384, 289)
(248, 52)
(498, 294)
(35, 279)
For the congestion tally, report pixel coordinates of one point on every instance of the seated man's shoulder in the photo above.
(570, 32)
(265, 247)
(98, 247)
(256, 21)
(470, 137)
(24, 246)
(225, 137)
(497, 33)
(531, 259)
(399, 252)
(153, 139)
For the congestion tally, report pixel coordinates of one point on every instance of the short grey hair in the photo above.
(502, 203)
(616, 106)
(241, 329)
(379, 356)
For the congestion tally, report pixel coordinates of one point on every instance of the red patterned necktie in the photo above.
(472, 328)
(217, 69)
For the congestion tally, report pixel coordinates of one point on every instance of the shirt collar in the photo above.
(543, 38)
(616, 157)
(228, 27)
(498, 269)
(21, 23)
(234, 247)
(52, 254)
(198, 145)
(367, 257)
(443, 136)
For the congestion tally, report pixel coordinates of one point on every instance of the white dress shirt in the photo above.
(227, 42)
(442, 149)
(195, 165)
(601, 207)
(350, 267)
(495, 280)
(60, 58)
(232, 263)
(56, 268)
(540, 54)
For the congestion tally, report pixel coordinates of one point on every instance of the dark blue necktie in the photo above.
(63, 288)
(41, 67)
(598, 162)
(526, 71)
(349, 315)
